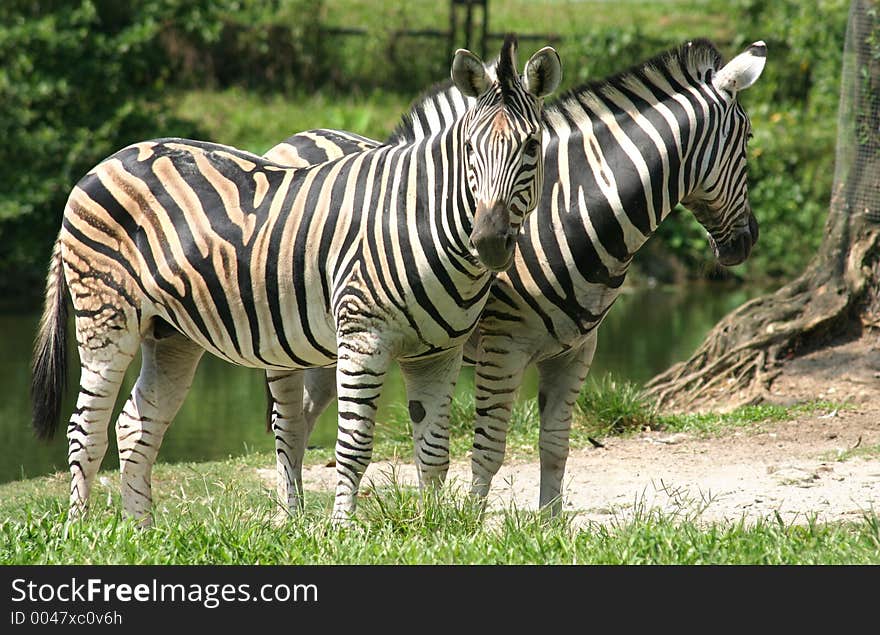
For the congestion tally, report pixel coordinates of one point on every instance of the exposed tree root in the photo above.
(745, 351)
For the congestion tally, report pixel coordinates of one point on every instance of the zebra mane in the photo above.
(505, 67)
(502, 69)
(405, 131)
(694, 58)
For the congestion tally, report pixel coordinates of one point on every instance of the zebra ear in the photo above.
(543, 72)
(469, 74)
(743, 70)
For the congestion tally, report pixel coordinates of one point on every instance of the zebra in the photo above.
(619, 154)
(180, 246)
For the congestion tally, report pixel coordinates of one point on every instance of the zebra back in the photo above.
(319, 146)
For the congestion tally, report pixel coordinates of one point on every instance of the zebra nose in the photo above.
(491, 236)
(753, 228)
(735, 249)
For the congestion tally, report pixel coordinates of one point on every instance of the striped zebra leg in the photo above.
(498, 377)
(430, 384)
(293, 394)
(107, 336)
(319, 389)
(102, 370)
(167, 369)
(560, 382)
(360, 377)
(291, 434)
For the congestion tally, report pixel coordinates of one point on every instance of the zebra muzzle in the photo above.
(492, 236)
(737, 248)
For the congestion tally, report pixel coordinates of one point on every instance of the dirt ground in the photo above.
(793, 469)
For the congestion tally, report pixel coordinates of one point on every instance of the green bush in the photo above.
(600, 52)
(805, 42)
(791, 167)
(80, 79)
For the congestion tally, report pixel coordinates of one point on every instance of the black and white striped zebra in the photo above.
(179, 246)
(619, 154)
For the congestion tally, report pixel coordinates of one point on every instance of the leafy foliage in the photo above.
(76, 85)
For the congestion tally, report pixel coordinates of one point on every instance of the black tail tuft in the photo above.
(49, 370)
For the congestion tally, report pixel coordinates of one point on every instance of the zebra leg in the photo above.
(430, 384)
(288, 426)
(360, 376)
(167, 368)
(498, 376)
(560, 382)
(319, 389)
(102, 370)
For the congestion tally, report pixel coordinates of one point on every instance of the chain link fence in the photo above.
(857, 168)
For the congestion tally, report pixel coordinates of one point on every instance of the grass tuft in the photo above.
(868, 451)
(742, 416)
(611, 406)
(405, 511)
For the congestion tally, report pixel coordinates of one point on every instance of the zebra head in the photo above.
(501, 139)
(721, 200)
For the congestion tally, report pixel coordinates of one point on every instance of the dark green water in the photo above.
(224, 414)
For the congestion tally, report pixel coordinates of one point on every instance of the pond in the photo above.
(224, 414)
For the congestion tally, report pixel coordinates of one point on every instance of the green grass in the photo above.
(608, 406)
(605, 407)
(707, 423)
(868, 451)
(564, 18)
(218, 513)
(222, 512)
(611, 406)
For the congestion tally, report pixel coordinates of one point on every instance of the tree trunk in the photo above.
(838, 295)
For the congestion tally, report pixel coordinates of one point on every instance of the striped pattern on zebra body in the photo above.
(619, 154)
(320, 145)
(179, 246)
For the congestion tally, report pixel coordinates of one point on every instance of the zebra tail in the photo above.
(49, 369)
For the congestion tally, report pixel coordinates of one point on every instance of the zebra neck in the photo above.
(445, 181)
(622, 172)
(436, 217)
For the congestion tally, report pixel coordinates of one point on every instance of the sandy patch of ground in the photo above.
(791, 469)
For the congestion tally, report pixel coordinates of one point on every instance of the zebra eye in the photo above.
(468, 147)
(532, 146)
